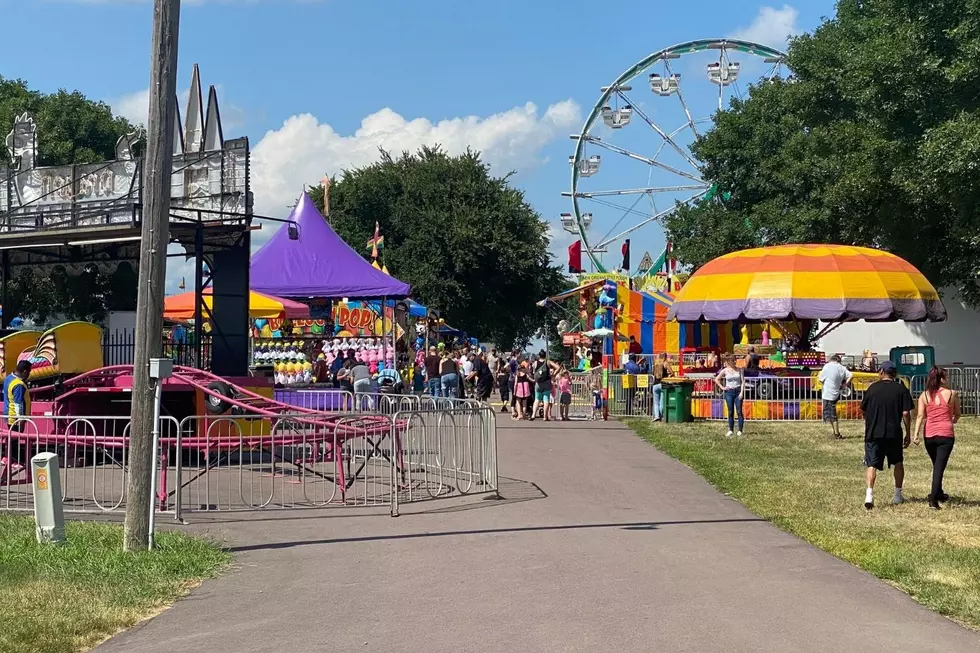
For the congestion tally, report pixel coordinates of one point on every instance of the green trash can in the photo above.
(678, 400)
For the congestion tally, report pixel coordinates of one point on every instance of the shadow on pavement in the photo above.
(512, 490)
(629, 526)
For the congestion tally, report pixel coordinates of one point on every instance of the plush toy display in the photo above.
(607, 304)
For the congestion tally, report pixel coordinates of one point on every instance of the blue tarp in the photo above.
(414, 308)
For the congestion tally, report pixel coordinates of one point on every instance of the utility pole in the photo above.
(154, 238)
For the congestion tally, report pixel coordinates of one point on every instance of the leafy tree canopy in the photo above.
(467, 242)
(71, 129)
(875, 142)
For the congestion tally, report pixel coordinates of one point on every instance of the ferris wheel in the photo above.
(633, 162)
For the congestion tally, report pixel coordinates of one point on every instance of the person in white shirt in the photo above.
(833, 378)
(466, 365)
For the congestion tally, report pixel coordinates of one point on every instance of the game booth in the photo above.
(769, 300)
(786, 291)
(608, 302)
(354, 306)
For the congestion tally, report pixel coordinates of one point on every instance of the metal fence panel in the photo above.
(92, 454)
(394, 451)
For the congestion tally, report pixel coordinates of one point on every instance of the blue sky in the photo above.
(318, 86)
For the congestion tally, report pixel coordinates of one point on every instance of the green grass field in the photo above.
(57, 599)
(799, 478)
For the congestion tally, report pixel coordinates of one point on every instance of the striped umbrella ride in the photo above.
(836, 283)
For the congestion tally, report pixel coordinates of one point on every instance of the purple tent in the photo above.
(318, 264)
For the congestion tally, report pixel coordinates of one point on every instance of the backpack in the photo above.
(543, 372)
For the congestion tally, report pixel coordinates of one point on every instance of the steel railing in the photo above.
(378, 450)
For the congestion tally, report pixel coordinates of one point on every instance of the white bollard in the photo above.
(48, 512)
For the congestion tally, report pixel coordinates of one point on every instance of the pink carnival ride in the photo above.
(88, 413)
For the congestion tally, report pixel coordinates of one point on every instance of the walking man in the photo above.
(887, 408)
(834, 378)
(16, 406)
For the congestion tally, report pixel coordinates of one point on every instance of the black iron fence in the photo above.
(119, 347)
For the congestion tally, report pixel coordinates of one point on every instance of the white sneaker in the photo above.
(728, 435)
(869, 500)
(739, 434)
(898, 498)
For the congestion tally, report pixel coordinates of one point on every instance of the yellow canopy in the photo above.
(181, 307)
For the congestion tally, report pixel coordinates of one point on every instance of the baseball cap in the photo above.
(888, 367)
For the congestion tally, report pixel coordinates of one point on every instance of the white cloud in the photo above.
(304, 149)
(135, 107)
(771, 26)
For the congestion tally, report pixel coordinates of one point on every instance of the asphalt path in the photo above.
(600, 543)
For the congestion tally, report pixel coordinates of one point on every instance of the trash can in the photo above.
(678, 400)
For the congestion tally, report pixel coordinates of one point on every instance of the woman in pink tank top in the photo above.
(938, 410)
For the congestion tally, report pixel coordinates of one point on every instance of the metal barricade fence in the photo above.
(586, 388)
(444, 453)
(965, 381)
(398, 452)
(289, 461)
(92, 453)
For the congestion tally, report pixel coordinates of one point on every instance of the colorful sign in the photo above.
(353, 319)
(604, 276)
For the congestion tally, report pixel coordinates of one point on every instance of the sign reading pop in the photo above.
(353, 318)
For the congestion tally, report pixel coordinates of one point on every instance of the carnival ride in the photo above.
(217, 415)
(796, 288)
(13, 345)
(649, 181)
(67, 349)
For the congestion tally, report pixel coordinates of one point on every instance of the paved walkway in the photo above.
(603, 544)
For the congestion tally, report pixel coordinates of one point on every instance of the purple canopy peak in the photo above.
(318, 264)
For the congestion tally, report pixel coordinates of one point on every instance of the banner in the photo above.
(618, 279)
(575, 257)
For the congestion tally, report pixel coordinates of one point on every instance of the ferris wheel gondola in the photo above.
(643, 179)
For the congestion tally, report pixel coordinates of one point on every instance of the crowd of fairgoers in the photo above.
(528, 386)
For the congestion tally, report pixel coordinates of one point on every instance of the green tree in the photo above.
(873, 142)
(71, 129)
(467, 242)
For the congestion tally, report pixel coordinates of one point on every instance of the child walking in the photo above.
(564, 394)
(522, 390)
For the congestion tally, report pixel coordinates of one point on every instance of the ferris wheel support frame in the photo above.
(583, 137)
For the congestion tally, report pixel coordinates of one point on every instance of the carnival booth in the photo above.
(353, 304)
(789, 287)
(608, 302)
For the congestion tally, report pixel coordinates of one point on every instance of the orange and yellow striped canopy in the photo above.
(803, 282)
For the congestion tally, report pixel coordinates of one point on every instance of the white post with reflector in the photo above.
(48, 510)
(160, 369)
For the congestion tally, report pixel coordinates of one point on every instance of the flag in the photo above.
(575, 257)
(377, 242)
(626, 254)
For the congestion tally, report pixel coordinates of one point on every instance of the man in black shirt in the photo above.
(887, 408)
(482, 376)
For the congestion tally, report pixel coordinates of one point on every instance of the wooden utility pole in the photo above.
(158, 166)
